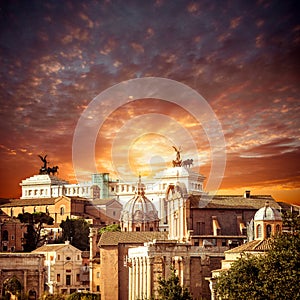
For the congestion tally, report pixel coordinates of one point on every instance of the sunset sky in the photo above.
(242, 57)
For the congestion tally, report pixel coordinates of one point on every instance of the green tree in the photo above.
(77, 232)
(12, 286)
(275, 275)
(170, 289)
(109, 228)
(35, 223)
(280, 272)
(54, 297)
(241, 281)
(83, 296)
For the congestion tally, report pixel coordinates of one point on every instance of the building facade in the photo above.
(65, 271)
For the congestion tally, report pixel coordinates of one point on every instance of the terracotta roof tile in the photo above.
(255, 202)
(49, 248)
(253, 246)
(25, 202)
(115, 238)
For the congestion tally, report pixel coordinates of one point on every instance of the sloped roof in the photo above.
(105, 201)
(29, 202)
(254, 202)
(40, 201)
(253, 246)
(136, 237)
(49, 248)
(53, 247)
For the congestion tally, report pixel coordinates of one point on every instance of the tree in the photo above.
(83, 296)
(275, 275)
(241, 281)
(170, 289)
(13, 286)
(110, 228)
(77, 232)
(280, 272)
(54, 297)
(35, 223)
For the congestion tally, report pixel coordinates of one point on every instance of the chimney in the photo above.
(247, 194)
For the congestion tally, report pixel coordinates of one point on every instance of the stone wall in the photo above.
(27, 267)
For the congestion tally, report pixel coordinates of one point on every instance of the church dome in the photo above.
(267, 213)
(139, 209)
(139, 213)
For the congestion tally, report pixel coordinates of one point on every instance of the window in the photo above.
(200, 228)
(151, 228)
(68, 279)
(12, 237)
(258, 231)
(98, 274)
(137, 229)
(58, 257)
(277, 228)
(77, 277)
(58, 277)
(269, 230)
(98, 288)
(5, 235)
(68, 258)
(62, 211)
(4, 248)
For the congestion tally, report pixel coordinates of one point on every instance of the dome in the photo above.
(267, 213)
(139, 209)
(139, 213)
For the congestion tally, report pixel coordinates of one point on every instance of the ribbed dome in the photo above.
(267, 213)
(139, 208)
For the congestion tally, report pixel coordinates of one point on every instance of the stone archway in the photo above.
(32, 295)
(12, 288)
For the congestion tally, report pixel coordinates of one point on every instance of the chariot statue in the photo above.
(45, 169)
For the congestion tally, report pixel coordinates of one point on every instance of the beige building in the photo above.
(65, 272)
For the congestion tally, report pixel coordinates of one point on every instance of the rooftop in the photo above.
(117, 237)
(253, 246)
(254, 202)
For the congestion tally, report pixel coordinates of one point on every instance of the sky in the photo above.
(62, 62)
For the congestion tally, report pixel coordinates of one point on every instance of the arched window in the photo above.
(277, 228)
(5, 235)
(258, 231)
(269, 230)
(62, 210)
